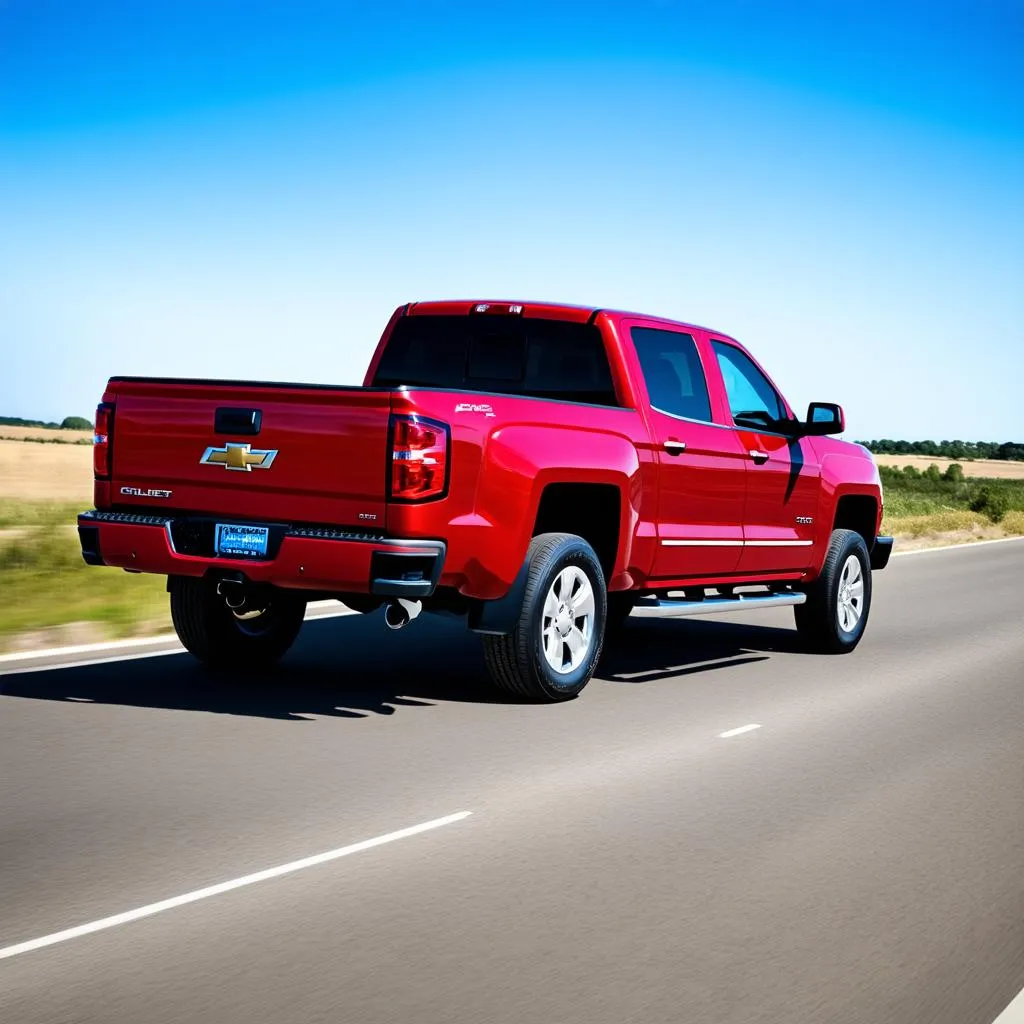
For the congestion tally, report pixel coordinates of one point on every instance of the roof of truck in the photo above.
(541, 310)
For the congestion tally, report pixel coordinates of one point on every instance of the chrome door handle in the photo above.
(675, 447)
(759, 457)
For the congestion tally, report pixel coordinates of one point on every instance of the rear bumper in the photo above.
(320, 558)
(880, 552)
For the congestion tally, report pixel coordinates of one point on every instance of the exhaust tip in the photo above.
(233, 592)
(395, 616)
(399, 613)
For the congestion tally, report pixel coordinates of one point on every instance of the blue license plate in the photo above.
(237, 541)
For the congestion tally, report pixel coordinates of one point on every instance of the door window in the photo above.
(673, 373)
(748, 389)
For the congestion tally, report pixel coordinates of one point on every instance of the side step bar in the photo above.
(662, 608)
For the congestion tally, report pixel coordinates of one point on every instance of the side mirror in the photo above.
(823, 418)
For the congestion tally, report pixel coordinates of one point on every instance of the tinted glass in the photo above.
(507, 355)
(747, 387)
(497, 356)
(673, 373)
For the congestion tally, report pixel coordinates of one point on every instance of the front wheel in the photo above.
(836, 611)
(226, 640)
(556, 642)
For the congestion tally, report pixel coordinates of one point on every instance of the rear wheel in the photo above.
(555, 645)
(835, 614)
(227, 640)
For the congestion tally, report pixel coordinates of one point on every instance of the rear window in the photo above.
(505, 355)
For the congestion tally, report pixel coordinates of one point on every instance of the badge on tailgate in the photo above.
(239, 456)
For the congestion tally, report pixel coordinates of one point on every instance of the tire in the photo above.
(221, 640)
(534, 661)
(835, 614)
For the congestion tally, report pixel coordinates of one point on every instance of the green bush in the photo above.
(954, 473)
(991, 502)
(76, 423)
(932, 473)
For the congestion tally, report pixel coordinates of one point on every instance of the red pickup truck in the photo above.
(543, 471)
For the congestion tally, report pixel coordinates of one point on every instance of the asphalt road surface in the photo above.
(857, 858)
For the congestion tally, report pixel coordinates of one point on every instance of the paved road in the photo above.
(859, 858)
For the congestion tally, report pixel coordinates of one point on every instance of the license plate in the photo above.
(236, 541)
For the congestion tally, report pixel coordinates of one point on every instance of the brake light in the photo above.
(419, 459)
(499, 308)
(101, 439)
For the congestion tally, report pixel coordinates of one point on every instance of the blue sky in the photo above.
(249, 188)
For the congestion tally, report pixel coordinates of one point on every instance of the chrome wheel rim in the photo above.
(850, 599)
(567, 626)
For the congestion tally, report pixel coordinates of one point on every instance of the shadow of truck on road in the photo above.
(353, 667)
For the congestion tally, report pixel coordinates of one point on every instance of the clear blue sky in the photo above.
(249, 188)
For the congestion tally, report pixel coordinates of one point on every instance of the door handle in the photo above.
(675, 447)
(760, 458)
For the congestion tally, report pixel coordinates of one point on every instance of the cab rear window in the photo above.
(502, 355)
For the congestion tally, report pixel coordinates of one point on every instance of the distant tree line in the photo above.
(68, 423)
(1007, 450)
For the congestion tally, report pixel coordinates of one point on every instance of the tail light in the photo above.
(419, 459)
(101, 439)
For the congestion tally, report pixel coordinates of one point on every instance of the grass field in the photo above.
(919, 505)
(45, 583)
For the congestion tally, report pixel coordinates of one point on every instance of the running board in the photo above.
(658, 608)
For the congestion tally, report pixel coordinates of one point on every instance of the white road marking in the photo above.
(738, 732)
(23, 661)
(969, 545)
(235, 883)
(1014, 1013)
(16, 668)
(106, 645)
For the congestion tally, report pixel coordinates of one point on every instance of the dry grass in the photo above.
(1013, 522)
(45, 434)
(46, 472)
(950, 526)
(944, 522)
(997, 469)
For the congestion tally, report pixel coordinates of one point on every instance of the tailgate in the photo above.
(292, 453)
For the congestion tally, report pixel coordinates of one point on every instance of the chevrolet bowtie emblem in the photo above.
(239, 456)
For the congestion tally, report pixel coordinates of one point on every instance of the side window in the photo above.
(568, 362)
(748, 389)
(673, 373)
